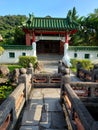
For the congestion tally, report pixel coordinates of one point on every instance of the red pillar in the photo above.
(61, 47)
(33, 37)
(28, 43)
(66, 38)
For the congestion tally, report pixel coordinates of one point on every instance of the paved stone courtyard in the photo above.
(44, 111)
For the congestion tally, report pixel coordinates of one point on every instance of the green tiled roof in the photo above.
(49, 23)
(83, 48)
(16, 47)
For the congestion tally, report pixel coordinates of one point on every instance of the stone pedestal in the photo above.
(34, 48)
(66, 59)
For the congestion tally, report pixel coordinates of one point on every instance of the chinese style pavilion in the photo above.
(49, 33)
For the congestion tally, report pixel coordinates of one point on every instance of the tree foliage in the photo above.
(19, 36)
(1, 50)
(73, 14)
(8, 27)
(88, 35)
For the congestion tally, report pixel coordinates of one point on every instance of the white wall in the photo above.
(4, 58)
(81, 54)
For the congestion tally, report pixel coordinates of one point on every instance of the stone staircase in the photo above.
(49, 61)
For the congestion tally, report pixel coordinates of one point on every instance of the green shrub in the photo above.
(1, 50)
(5, 91)
(86, 64)
(12, 67)
(25, 60)
(74, 62)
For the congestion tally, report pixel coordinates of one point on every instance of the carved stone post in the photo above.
(59, 66)
(65, 80)
(30, 69)
(23, 79)
(92, 92)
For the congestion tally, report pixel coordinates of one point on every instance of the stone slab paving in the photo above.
(29, 128)
(51, 93)
(31, 117)
(43, 111)
(55, 129)
(52, 105)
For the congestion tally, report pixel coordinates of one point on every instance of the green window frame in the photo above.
(23, 54)
(87, 56)
(11, 55)
(75, 55)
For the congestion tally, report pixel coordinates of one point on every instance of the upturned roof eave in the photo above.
(44, 23)
(49, 29)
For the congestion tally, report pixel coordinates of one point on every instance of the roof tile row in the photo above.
(50, 23)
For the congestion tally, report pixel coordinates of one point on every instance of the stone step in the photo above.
(55, 129)
(37, 128)
(29, 128)
(49, 61)
(49, 57)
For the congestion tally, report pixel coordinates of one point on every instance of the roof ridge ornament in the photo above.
(48, 16)
(29, 21)
(51, 23)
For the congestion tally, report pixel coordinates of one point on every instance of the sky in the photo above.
(42, 8)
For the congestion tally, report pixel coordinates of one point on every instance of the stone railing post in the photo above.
(92, 92)
(63, 69)
(30, 69)
(23, 79)
(64, 80)
(59, 66)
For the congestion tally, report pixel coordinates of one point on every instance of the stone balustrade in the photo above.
(77, 116)
(85, 89)
(46, 80)
(88, 76)
(10, 109)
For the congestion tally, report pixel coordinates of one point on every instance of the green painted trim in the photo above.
(75, 48)
(85, 48)
(17, 47)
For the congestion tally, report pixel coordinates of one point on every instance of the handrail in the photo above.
(90, 87)
(79, 108)
(46, 80)
(10, 109)
(74, 108)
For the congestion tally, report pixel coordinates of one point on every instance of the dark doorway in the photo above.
(48, 46)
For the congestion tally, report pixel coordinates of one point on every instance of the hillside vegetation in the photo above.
(10, 30)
